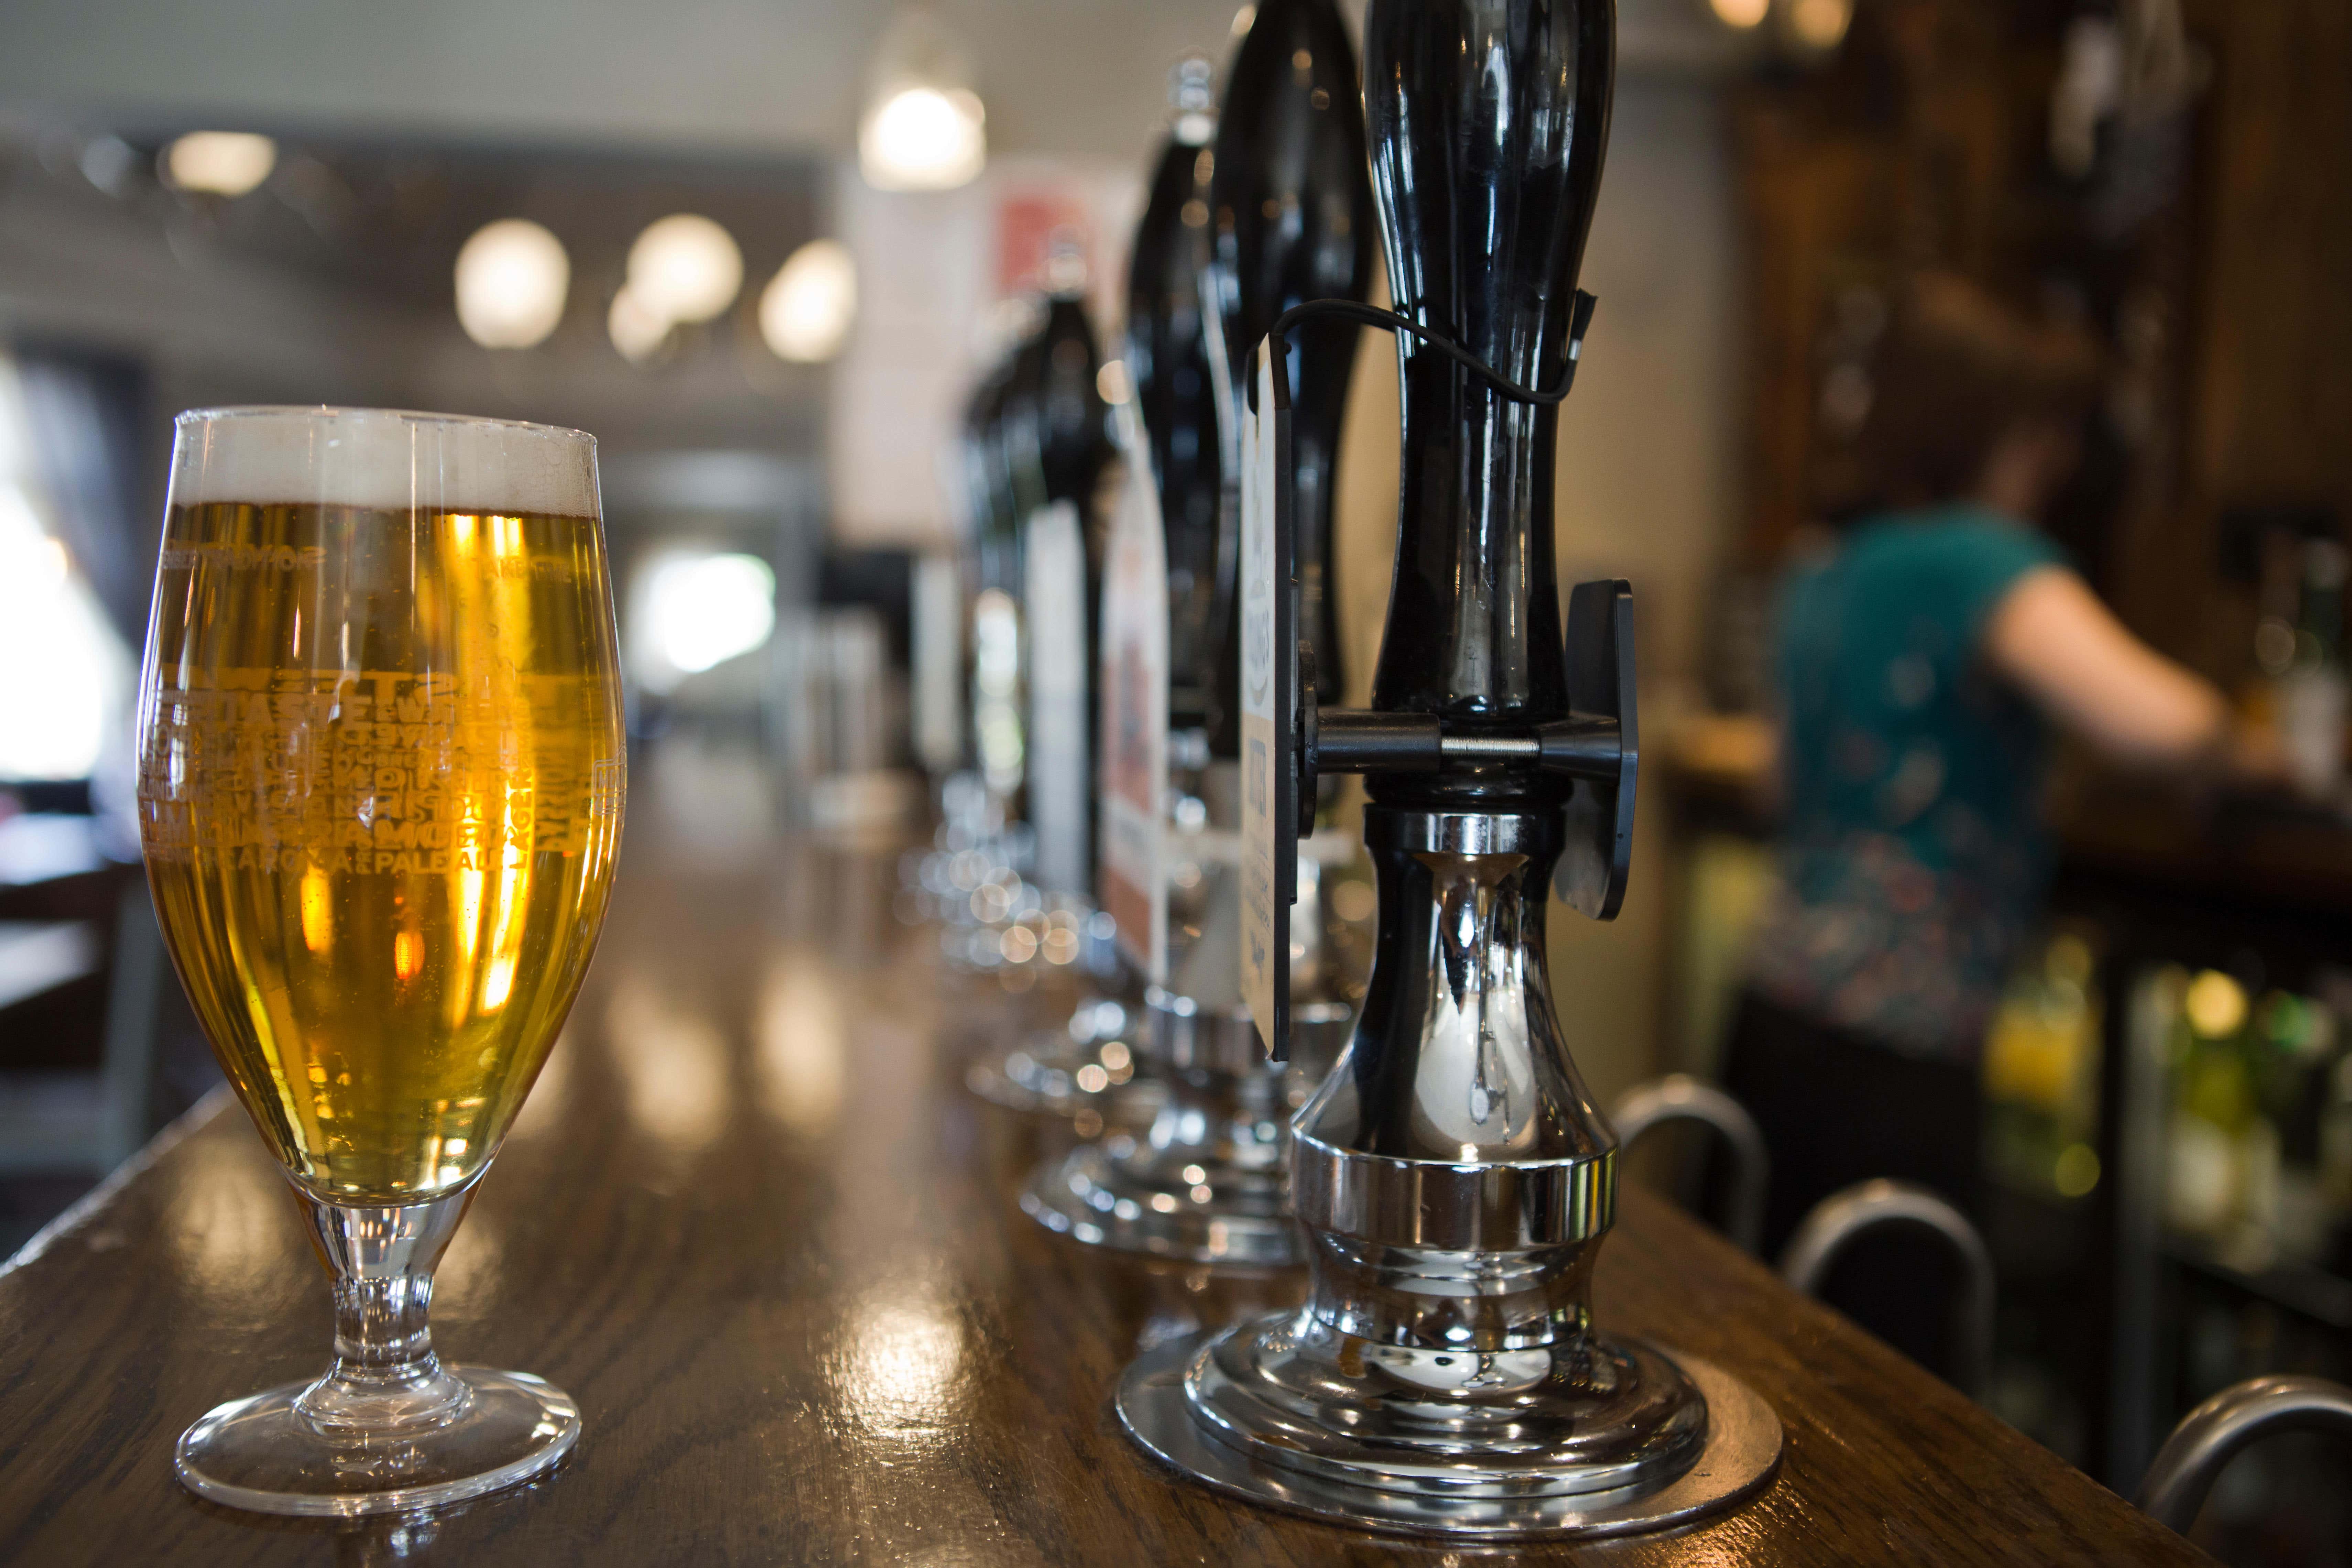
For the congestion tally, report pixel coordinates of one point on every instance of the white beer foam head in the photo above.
(383, 457)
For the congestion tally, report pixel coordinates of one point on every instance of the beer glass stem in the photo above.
(386, 1377)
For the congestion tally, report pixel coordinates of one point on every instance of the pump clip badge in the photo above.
(1269, 680)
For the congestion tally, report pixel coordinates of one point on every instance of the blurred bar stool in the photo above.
(83, 1124)
(1678, 1096)
(2210, 1435)
(1839, 1219)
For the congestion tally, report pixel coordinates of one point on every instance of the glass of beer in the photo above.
(379, 785)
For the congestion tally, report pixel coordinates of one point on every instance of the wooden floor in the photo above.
(753, 1224)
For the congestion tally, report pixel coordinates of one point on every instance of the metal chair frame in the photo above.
(1679, 1097)
(1838, 1219)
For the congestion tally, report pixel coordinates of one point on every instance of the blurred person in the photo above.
(1923, 663)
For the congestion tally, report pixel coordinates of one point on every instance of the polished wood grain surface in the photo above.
(752, 1222)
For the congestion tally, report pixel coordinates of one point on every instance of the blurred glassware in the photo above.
(2258, 1141)
(219, 163)
(2041, 1073)
(2313, 693)
(512, 277)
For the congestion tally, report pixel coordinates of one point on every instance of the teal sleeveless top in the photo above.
(1913, 854)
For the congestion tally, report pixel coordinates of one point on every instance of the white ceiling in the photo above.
(753, 76)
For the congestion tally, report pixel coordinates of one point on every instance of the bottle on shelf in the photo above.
(2313, 692)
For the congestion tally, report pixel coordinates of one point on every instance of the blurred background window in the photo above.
(64, 699)
(695, 609)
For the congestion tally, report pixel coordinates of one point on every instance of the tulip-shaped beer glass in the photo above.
(380, 789)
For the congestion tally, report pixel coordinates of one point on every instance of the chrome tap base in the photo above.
(1133, 1195)
(1039, 1081)
(1393, 1440)
(1454, 1184)
(1209, 1182)
(1087, 1071)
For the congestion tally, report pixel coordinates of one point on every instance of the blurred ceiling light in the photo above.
(1111, 380)
(1820, 25)
(806, 311)
(922, 139)
(512, 277)
(221, 162)
(687, 267)
(923, 128)
(637, 329)
(1740, 14)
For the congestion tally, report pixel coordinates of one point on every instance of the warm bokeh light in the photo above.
(1821, 24)
(512, 277)
(221, 163)
(808, 307)
(2216, 1004)
(1741, 14)
(637, 329)
(671, 1061)
(923, 138)
(686, 268)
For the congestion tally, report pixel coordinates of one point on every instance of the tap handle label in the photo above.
(1269, 681)
(1055, 563)
(1132, 726)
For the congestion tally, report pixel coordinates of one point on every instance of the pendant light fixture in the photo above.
(923, 128)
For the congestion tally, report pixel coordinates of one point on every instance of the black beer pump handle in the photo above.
(1597, 744)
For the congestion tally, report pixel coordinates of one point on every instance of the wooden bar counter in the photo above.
(752, 1222)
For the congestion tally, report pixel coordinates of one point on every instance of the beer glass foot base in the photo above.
(1396, 1489)
(263, 1455)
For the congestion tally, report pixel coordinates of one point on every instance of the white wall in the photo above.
(927, 289)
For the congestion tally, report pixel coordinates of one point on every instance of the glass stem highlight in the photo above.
(386, 1377)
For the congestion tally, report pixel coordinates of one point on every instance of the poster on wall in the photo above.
(1269, 673)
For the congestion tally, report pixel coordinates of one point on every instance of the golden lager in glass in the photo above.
(381, 778)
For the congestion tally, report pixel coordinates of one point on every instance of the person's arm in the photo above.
(2051, 637)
